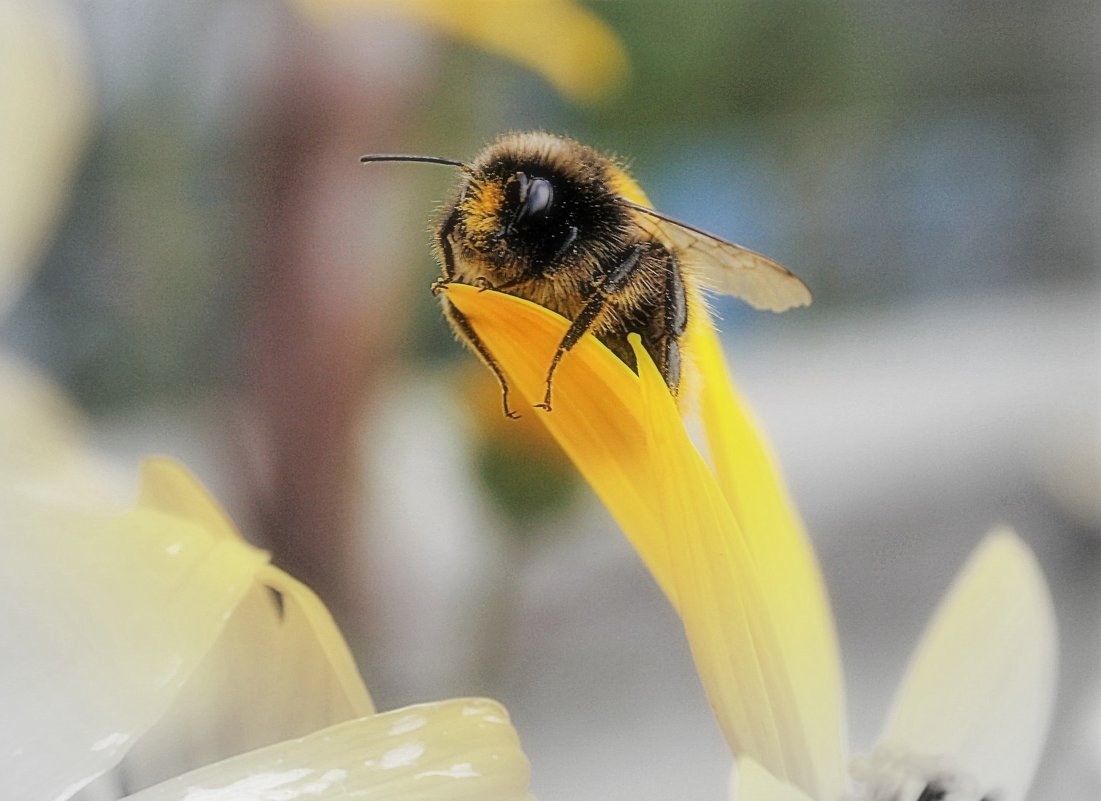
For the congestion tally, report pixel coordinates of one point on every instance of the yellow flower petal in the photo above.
(603, 439)
(562, 41)
(781, 550)
(460, 750)
(782, 554)
(981, 684)
(626, 437)
(107, 613)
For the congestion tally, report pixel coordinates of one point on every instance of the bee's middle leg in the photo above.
(611, 282)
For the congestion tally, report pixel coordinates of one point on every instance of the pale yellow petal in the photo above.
(47, 103)
(107, 613)
(628, 440)
(561, 40)
(459, 750)
(782, 553)
(42, 438)
(167, 486)
(981, 683)
(280, 670)
(754, 783)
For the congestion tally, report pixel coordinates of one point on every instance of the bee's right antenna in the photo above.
(425, 159)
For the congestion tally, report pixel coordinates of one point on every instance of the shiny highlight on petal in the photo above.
(466, 751)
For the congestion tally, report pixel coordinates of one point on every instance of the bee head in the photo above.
(523, 217)
(536, 205)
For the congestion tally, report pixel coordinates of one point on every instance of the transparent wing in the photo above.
(727, 268)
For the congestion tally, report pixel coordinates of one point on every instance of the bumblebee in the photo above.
(548, 219)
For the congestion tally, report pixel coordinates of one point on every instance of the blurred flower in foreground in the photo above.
(144, 642)
(559, 39)
(728, 549)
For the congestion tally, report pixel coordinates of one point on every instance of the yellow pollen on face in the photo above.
(481, 207)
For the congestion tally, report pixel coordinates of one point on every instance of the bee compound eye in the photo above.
(536, 204)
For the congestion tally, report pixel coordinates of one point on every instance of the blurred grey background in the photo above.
(222, 281)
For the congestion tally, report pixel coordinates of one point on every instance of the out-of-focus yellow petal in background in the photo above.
(561, 40)
(47, 100)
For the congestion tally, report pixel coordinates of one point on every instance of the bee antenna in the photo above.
(425, 159)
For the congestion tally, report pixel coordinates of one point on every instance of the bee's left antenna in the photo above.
(425, 159)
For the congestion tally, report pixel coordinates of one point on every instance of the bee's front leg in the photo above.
(466, 331)
(447, 256)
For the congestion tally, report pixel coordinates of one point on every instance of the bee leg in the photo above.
(662, 340)
(611, 282)
(443, 242)
(580, 326)
(665, 351)
(462, 325)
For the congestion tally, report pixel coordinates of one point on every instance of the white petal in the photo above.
(107, 613)
(459, 750)
(980, 686)
(753, 783)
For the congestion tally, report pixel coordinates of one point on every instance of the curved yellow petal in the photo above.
(626, 436)
(784, 557)
(981, 684)
(605, 440)
(459, 750)
(107, 613)
(562, 41)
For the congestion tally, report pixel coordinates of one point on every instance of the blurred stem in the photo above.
(318, 332)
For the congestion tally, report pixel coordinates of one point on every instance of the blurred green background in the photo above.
(218, 278)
